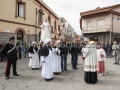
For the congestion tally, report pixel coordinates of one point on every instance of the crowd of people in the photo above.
(53, 56)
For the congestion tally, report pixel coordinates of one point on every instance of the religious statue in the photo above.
(62, 27)
(45, 31)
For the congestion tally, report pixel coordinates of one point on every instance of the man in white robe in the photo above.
(90, 67)
(46, 59)
(57, 58)
(33, 55)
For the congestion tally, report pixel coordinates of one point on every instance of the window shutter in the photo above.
(101, 23)
(89, 25)
(21, 10)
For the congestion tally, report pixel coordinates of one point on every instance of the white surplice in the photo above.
(90, 53)
(47, 71)
(34, 61)
(56, 61)
(101, 51)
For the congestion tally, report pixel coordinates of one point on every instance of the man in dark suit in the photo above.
(74, 54)
(11, 53)
(64, 52)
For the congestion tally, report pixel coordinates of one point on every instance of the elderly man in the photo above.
(116, 52)
(46, 59)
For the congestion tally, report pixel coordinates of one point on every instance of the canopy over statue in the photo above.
(45, 31)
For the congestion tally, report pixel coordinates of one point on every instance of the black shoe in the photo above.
(115, 63)
(62, 70)
(16, 75)
(58, 73)
(36, 68)
(76, 68)
(32, 69)
(51, 78)
(47, 80)
(73, 68)
(7, 78)
(55, 73)
(66, 70)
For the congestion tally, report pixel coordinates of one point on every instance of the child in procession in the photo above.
(101, 57)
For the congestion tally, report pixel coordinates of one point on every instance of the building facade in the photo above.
(68, 31)
(23, 18)
(101, 22)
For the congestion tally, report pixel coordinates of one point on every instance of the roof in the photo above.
(99, 10)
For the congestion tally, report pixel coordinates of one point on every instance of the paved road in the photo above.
(69, 80)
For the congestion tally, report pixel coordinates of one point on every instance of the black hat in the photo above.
(12, 38)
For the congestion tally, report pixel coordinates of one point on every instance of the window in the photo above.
(20, 9)
(88, 25)
(40, 17)
(55, 25)
(101, 23)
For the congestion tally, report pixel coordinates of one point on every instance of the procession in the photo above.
(53, 57)
(59, 45)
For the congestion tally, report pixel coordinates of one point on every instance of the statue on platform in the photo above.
(45, 31)
(62, 27)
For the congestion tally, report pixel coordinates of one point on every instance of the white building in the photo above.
(68, 30)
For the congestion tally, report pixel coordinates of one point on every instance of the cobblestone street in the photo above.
(69, 80)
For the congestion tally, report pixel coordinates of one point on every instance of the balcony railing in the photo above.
(94, 29)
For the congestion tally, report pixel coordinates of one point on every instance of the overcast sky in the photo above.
(70, 9)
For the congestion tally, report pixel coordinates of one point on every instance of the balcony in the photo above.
(96, 29)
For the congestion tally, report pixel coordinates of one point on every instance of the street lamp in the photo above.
(40, 12)
(113, 34)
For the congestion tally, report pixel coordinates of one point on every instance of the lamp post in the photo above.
(113, 34)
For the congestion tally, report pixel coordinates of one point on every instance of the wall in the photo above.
(94, 19)
(116, 23)
(7, 12)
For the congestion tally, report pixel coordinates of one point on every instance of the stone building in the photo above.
(22, 19)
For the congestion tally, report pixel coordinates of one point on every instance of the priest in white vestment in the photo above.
(90, 66)
(46, 59)
(57, 58)
(33, 55)
(45, 31)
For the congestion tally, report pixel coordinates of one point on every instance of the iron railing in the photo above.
(94, 29)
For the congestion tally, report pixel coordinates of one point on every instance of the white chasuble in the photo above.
(90, 53)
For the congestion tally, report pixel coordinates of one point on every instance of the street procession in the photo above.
(64, 45)
(53, 56)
